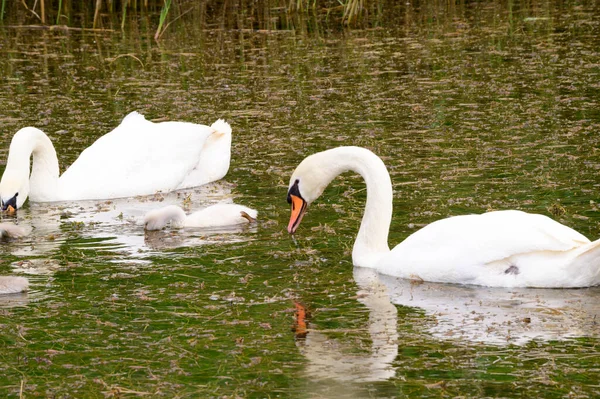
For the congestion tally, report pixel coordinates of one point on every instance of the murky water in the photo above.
(479, 107)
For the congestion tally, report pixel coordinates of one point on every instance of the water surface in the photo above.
(477, 107)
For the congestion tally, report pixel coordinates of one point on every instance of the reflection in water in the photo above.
(109, 227)
(500, 315)
(113, 225)
(473, 314)
(191, 237)
(14, 300)
(328, 359)
(473, 106)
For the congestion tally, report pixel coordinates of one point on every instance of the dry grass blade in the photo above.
(352, 10)
(31, 10)
(128, 55)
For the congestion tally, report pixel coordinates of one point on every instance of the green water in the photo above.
(476, 107)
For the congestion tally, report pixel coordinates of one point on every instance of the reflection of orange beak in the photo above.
(10, 209)
(298, 209)
(301, 323)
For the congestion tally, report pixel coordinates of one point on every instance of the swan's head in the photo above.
(13, 191)
(307, 183)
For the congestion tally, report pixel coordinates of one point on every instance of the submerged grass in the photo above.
(116, 313)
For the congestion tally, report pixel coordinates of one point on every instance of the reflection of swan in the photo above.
(500, 315)
(502, 249)
(213, 216)
(139, 157)
(9, 230)
(327, 360)
(13, 284)
(14, 300)
(116, 226)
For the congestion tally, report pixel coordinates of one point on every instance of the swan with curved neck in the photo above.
(502, 248)
(138, 157)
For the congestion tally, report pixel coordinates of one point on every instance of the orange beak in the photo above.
(298, 209)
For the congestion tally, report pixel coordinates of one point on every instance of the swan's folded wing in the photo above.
(456, 246)
(137, 158)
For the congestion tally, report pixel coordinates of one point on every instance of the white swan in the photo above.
(139, 157)
(218, 215)
(500, 249)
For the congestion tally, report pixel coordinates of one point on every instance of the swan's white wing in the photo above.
(137, 158)
(219, 215)
(457, 249)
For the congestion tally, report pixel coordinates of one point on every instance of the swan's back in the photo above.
(220, 215)
(140, 157)
(459, 248)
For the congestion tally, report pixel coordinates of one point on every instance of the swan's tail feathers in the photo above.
(9, 230)
(586, 265)
(133, 117)
(13, 285)
(221, 127)
(160, 218)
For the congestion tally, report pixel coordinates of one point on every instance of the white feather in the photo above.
(218, 215)
(503, 249)
(138, 157)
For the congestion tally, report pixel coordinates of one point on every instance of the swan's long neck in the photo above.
(43, 181)
(372, 239)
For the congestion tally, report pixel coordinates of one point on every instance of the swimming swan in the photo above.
(10, 284)
(497, 249)
(218, 215)
(138, 157)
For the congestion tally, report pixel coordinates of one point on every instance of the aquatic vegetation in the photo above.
(473, 106)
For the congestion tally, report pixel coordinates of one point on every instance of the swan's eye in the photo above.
(294, 190)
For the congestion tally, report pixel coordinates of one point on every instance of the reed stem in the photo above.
(97, 13)
(124, 16)
(163, 17)
(58, 13)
